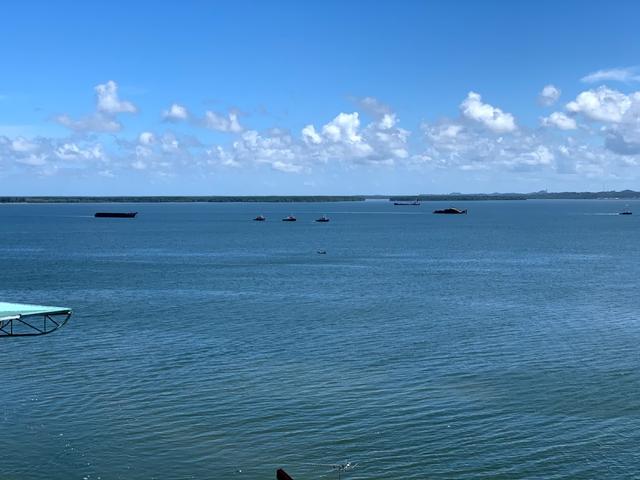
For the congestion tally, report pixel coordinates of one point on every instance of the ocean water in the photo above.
(502, 344)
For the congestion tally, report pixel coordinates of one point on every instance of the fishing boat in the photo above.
(451, 211)
(115, 214)
(289, 218)
(322, 219)
(260, 218)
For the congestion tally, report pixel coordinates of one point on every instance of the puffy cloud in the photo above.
(146, 138)
(491, 117)
(175, 113)
(625, 75)
(451, 144)
(343, 128)
(310, 136)
(343, 139)
(387, 121)
(603, 104)
(48, 155)
(222, 123)
(560, 120)
(549, 95)
(108, 105)
(72, 151)
(624, 138)
(108, 101)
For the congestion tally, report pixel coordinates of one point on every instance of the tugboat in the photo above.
(115, 214)
(322, 219)
(290, 218)
(260, 218)
(451, 211)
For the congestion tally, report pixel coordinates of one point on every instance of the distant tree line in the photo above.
(325, 198)
(160, 199)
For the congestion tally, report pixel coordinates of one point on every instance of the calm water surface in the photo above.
(502, 344)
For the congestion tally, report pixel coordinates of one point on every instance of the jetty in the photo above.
(23, 320)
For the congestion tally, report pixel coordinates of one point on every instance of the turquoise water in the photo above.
(502, 344)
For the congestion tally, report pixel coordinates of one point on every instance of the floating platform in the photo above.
(21, 320)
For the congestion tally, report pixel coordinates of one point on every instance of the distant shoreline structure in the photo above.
(543, 195)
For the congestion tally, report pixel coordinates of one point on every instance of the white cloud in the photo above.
(108, 105)
(560, 120)
(342, 140)
(286, 167)
(373, 106)
(72, 151)
(222, 123)
(21, 144)
(625, 75)
(175, 113)
(549, 95)
(491, 117)
(387, 121)
(602, 104)
(51, 155)
(93, 123)
(109, 102)
(146, 138)
(343, 128)
(310, 136)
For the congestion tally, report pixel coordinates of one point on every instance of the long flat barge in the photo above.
(115, 214)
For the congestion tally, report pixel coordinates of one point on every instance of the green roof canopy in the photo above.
(9, 311)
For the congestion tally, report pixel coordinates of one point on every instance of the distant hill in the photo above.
(542, 195)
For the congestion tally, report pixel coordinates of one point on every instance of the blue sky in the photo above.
(318, 97)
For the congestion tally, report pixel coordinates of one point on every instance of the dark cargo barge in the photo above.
(115, 214)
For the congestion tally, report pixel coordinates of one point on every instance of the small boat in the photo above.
(322, 219)
(626, 212)
(115, 214)
(289, 218)
(260, 218)
(451, 211)
(322, 252)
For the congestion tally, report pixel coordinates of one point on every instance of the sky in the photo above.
(318, 97)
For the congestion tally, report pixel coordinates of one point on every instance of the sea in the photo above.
(501, 344)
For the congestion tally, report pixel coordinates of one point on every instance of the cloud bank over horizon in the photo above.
(594, 135)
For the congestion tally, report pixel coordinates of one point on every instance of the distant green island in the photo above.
(541, 195)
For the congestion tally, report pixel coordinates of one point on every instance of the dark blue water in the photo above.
(502, 344)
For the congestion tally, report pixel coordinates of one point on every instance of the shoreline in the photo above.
(40, 199)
